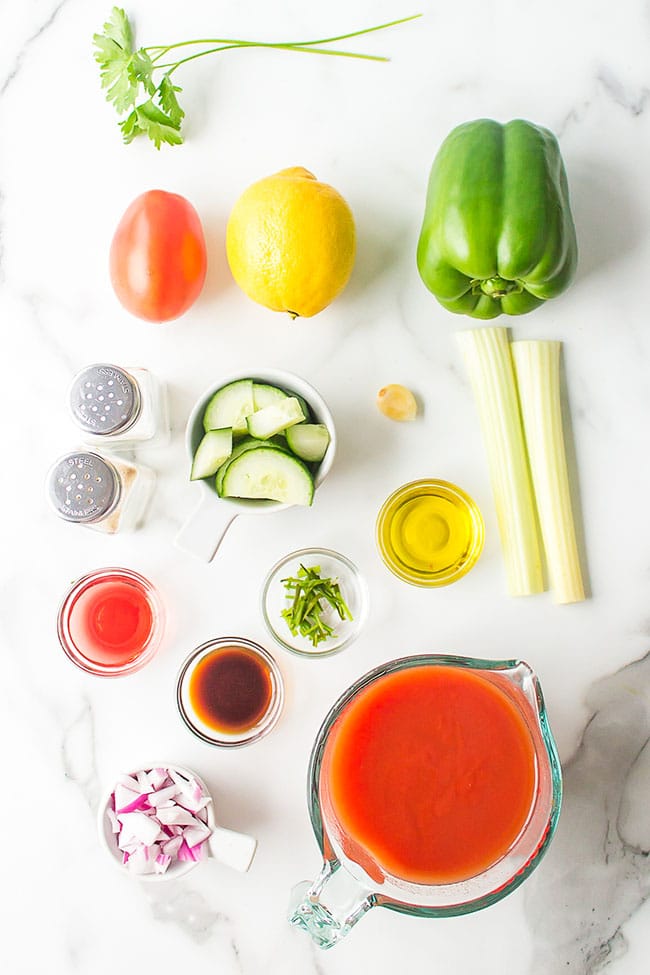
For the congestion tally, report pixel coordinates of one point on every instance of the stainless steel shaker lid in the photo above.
(104, 399)
(83, 487)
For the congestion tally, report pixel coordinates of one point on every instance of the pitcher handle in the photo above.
(328, 908)
(203, 532)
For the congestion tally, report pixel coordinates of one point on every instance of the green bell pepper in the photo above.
(498, 235)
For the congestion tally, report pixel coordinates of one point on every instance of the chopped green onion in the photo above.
(537, 366)
(488, 359)
(310, 596)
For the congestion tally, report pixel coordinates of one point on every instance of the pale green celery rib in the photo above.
(488, 360)
(537, 367)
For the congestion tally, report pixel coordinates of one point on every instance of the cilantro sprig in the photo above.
(310, 596)
(139, 80)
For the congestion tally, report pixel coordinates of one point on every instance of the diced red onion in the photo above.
(195, 835)
(159, 816)
(140, 802)
(175, 816)
(129, 782)
(172, 845)
(160, 796)
(114, 821)
(184, 852)
(158, 777)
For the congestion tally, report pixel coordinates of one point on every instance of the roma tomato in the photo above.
(158, 257)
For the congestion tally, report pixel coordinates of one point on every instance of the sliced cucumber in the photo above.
(230, 406)
(272, 419)
(214, 449)
(304, 405)
(248, 443)
(265, 395)
(308, 440)
(269, 473)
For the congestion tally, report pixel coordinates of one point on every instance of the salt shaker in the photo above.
(120, 407)
(108, 494)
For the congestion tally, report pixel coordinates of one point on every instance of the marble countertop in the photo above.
(371, 130)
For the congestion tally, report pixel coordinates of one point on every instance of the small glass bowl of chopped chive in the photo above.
(314, 602)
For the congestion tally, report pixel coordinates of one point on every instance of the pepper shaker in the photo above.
(107, 494)
(120, 407)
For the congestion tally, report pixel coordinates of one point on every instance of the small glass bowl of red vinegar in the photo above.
(111, 622)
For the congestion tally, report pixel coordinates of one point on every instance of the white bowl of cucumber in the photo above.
(259, 441)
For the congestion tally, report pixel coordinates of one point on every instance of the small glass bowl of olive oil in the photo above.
(429, 533)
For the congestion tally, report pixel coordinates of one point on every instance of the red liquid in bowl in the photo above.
(111, 621)
(429, 775)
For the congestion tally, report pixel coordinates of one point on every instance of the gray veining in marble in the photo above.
(23, 51)
(78, 753)
(597, 871)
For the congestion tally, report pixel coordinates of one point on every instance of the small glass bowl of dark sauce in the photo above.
(230, 692)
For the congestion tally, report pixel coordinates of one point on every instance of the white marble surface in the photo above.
(583, 69)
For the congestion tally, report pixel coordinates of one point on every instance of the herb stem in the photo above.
(172, 66)
(284, 45)
(151, 107)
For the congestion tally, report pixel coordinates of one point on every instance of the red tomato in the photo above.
(158, 258)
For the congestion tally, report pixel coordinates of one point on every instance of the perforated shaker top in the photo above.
(83, 487)
(104, 399)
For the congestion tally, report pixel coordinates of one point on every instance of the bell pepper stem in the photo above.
(495, 287)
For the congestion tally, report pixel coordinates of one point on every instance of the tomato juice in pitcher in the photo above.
(428, 775)
(434, 790)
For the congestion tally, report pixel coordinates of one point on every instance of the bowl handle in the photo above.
(202, 533)
(235, 850)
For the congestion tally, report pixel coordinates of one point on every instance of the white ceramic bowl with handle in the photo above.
(233, 849)
(203, 531)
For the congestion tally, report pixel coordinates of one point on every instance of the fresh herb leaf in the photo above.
(168, 101)
(141, 70)
(131, 127)
(310, 596)
(114, 50)
(128, 75)
(118, 29)
(147, 119)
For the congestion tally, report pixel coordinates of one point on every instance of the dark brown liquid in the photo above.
(231, 689)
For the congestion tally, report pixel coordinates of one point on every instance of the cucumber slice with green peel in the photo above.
(265, 395)
(304, 405)
(248, 443)
(269, 473)
(308, 441)
(272, 419)
(214, 449)
(230, 406)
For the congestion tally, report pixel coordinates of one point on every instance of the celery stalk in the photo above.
(488, 360)
(537, 367)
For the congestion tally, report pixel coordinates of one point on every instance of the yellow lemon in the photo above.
(291, 242)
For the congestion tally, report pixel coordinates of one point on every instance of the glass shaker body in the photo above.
(106, 493)
(119, 408)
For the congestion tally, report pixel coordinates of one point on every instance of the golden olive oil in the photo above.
(430, 533)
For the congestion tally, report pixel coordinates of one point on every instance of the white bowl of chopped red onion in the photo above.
(157, 823)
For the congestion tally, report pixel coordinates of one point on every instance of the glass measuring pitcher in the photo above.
(434, 789)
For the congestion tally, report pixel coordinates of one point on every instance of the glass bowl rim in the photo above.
(409, 576)
(270, 717)
(155, 638)
(359, 582)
